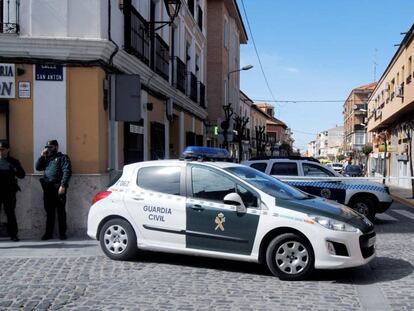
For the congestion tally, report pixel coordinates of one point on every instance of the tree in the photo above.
(285, 149)
(260, 139)
(366, 150)
(340, 157)
(240, 124)
(407, 127)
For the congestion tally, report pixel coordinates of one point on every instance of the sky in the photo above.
(318, 50)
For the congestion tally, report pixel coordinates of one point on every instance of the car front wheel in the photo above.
(365, 206)
(118, 240)
(290, 257)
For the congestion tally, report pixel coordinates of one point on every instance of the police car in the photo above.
(226, 210)
(307, 174)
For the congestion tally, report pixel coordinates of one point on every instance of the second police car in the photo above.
(230, 211)
(307, 174)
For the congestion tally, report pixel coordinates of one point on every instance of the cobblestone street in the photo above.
(75, 275)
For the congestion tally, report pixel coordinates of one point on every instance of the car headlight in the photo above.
(333, 224)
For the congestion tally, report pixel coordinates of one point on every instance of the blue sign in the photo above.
(49, 73)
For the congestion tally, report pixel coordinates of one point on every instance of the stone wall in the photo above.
(31, 216)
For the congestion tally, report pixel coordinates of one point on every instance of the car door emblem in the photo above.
(325, 193)
(220, 220)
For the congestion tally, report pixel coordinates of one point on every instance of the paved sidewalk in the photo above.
(402, 195)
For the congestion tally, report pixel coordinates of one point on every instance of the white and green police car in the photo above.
(230, 211)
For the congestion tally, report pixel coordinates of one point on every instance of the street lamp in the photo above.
(171, 12)
(228, 111)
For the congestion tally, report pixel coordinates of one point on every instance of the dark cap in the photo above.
(53, 142)
(4, 144)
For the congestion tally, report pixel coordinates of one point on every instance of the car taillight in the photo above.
(100, 195)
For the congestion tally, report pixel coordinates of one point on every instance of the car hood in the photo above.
(322, 207)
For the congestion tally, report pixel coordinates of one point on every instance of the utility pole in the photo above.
(375, 64)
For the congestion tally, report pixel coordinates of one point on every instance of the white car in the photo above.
(226, 210)
(337, 167)
(307, 174)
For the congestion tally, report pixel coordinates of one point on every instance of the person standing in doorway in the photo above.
(10, 169)
(55, 182)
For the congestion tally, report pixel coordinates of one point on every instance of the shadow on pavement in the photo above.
(202, 262)
(45, 246)
(380, 269)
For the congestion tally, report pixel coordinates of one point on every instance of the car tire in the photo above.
(364, 206)
(118, 240)
(290, 257)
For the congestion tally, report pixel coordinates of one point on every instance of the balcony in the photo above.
(162, 57)
(136, 33)
(9, 16)
(200, 18)
(202, 94)
(179, 74)
(192, 87)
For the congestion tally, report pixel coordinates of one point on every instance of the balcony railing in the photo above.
(136, 33)
(162, 57)
(9, 16)
(202, 94)
(192, 87)
(179, 74)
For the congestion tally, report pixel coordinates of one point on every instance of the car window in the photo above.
(249, 199)
(312, 170)
(260, 166)
(165, 179)
(267, 184)
(210, 185)
(284, 169)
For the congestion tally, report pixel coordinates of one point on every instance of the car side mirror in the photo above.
(235, 199)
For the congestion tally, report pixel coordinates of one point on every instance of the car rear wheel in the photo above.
(364, 206)
(290, 257)
(118, 240)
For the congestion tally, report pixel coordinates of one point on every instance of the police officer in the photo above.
(55, 181)
(10, 168)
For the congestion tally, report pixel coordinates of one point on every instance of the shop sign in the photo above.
(7, 81)
(49, 72)
(390, 148)
(24, 89)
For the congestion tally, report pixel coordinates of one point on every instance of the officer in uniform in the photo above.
(10, 168)
(55, 181)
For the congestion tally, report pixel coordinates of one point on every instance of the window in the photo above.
(249, 199)
(226, 33)
(165, 179)
(284, 169)
(210, 185)
(259, 166)
(315, 171)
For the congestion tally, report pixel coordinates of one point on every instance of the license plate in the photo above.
(372, 241)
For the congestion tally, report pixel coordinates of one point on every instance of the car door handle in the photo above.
(197, 207)
(137, 198)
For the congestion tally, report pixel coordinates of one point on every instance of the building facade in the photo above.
(390, 115)
(64, 68)
(355, 114)
(328, 143)
(225, 33)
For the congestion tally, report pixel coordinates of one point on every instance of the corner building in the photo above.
(56, 63)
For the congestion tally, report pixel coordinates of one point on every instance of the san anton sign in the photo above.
(7, 81)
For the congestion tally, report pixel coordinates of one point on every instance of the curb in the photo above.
(405, 201)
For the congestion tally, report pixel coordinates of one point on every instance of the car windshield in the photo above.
(267, 184)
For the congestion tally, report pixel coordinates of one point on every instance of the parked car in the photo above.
(337, 167)
(352, 171)
(367, 198)
(227, 210)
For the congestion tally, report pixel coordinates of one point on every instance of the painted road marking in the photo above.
(385, 217)
(404, 213)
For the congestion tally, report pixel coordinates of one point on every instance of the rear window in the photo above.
(165, 179)
(259, 166)
(284, 169)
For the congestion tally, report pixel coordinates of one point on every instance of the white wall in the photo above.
(62, 18)
(49, 113)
